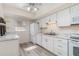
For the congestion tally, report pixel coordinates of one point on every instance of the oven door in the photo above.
(73, 48)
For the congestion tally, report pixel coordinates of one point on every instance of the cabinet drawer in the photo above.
(60, 52)
(60, 46)
(61, 41)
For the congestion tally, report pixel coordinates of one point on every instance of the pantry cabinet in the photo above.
(64, 17)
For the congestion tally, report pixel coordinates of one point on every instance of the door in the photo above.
(73, 48)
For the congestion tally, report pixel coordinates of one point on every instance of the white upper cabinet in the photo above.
(53, 18)
(75, 11)
(64, 18)
(1, 10)
(43, 22)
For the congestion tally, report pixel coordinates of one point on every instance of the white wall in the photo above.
(24, 35)
(19, 26)
(11, 24)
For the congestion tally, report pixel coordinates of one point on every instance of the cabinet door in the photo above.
(38, 40)
(49, 43)
(60, 47)
(44, 41)
(64, 18)
(75, 10)
(44, 21)
(52, 44)
(33, 39)
(53, 18)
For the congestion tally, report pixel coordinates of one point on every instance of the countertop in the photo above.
(9, 36)
(62, 36)
(59, 36)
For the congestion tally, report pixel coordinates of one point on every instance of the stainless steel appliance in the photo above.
(74, 45)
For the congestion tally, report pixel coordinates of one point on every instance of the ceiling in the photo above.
(44, 9)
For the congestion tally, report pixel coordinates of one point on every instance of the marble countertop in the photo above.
(9, 36)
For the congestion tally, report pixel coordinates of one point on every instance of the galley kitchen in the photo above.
(39, 29)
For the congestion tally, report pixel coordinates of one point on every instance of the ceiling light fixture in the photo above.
(33, 7)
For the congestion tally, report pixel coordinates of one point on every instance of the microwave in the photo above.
(75, 20)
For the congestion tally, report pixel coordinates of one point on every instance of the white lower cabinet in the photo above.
(9, 48)
(39, 39)
(50, 44)
(33, 39)
(47, 42)
(44, 40)
(60, 47)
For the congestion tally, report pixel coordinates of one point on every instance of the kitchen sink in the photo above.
(50, 33)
